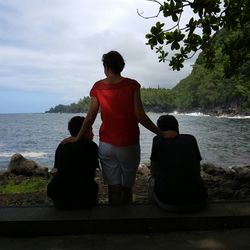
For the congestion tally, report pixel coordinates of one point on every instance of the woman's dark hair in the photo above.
(75, 125)
(114, 61)
(168, 122)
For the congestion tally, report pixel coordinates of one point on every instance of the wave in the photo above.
(190, 114)
(200, 114)
(234, 117)
(24, 154)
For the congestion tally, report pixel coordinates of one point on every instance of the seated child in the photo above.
(175, 168)
(74, 184)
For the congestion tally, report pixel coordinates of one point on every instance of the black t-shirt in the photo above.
(76, 164)
(177, 176)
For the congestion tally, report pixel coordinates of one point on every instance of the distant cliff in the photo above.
(79, 107)
(213, 91)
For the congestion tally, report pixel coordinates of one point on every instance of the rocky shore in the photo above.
(227, 112)
(214, 111)
(223, 184)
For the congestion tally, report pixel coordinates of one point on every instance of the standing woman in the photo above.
(121, 109)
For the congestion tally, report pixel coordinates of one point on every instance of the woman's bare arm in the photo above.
(141, 116)
(88, 121)
(90, 118)
(145, 121)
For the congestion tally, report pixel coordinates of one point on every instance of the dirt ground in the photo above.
(40, 198)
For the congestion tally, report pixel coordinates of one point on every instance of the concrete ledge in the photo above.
(106, 219)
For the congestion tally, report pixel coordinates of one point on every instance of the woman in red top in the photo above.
(121, 110)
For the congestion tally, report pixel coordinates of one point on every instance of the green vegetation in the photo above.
(209, 89)
(24, 185)
(185, 39)
(153, 99)
(79, 107)
(158, 100)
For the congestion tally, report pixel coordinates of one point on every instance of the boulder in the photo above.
(212, 169)
(242, 169)
(19, 165)
(242, 173)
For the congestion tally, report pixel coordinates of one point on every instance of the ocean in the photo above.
(223, 141)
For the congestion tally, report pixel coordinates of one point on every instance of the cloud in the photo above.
(55, 48)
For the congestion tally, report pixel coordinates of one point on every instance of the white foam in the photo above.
(24, 154)
(199, 114)
(34, 154)
(234, 117)
(190, 114)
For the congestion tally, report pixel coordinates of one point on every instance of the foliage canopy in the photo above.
(209, 16)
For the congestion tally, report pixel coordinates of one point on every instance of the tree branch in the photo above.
(147, 17)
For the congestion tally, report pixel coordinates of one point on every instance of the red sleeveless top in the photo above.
(119, 123)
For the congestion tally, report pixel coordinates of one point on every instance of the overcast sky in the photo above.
(50, 50)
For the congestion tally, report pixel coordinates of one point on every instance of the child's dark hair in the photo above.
(75, 125)
(114, 61)
(168, 122)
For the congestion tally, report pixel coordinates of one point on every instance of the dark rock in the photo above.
(242, 169)
(19, 165)
(244, 177)
(242, 173)
(242, 194)
(212, 169)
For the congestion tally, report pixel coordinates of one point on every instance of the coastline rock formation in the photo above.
(222, 183)
(227, 183)
(19, 165)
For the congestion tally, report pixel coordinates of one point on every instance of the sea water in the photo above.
(223, 141)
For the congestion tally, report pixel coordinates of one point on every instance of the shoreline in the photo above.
(143, 163)
(223, 185)
(215, 113)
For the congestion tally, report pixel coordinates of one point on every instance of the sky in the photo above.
(51, 50)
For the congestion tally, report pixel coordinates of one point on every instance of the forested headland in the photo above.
(206, 90)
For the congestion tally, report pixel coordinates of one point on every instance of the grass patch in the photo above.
(27, 185)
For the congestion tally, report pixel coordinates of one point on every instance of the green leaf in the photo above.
(154, 30)
(174, 17)
(148, 36)
(175, 46)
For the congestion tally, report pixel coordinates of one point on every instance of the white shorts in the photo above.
(119, 164)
